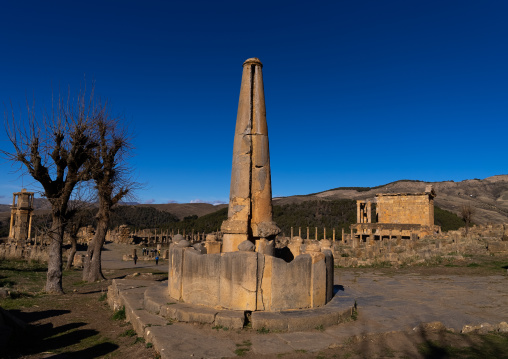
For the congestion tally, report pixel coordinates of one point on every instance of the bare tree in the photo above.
(76, 221)
(54, 149)
(79, 215)
(111, 176)
(466, 213)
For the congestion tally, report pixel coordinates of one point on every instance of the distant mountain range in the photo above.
(488, 196)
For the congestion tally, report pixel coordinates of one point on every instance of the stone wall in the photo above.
(410, 208)
(250, 281)
(14, 251)
(435, 249)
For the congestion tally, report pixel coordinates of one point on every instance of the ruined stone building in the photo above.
(21, 216)
(407, 215)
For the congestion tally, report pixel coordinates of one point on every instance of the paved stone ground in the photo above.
(386, 303)
(113, 253)
(399, 302)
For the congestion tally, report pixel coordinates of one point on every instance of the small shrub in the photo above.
(139, 340)
(320, 328)
(263, 330)
(149, 345)
(243, 348)
(241, 351)
(119, 314)
(103, 297)
(128, 333)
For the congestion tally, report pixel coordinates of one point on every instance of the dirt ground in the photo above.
(79, 324)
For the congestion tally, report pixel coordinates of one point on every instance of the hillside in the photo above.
(182, 210)
(488, 196)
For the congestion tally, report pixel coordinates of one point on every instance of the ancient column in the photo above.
(30, 226)
(250, 197)
(369, 212)
(358, 213)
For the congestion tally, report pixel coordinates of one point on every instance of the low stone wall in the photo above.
(406, 252)
(250, 281)
(13, 251)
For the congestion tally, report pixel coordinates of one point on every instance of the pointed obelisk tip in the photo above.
(253, 61)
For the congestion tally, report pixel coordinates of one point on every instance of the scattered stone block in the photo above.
(232, 319)
(269, 320)
(195, 314)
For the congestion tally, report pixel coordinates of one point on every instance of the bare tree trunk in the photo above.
(72, 252)
(54, 276)
(92, 271)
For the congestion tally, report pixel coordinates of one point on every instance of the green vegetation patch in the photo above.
(243, 348)
(119, 314)
(492, 345)
(447, 220)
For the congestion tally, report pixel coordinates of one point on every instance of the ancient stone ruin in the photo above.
(21, 216)
(243, 272)
(409, 215)
(250, 196)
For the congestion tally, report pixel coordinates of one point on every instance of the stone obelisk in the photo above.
(250, 197)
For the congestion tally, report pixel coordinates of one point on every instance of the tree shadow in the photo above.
(29, 317)
(45, 338)
(96, 351)
(6, 282)
(28, 268)
(443, 343)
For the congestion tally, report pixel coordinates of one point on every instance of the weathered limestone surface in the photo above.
(410, 208)
(175, 272)
(198, 284)
(290, 283)
(250, 281)
(238, 280)
(250, 198)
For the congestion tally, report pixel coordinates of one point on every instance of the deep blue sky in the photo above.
(358, 93)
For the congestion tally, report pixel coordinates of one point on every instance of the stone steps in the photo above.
(166, 323)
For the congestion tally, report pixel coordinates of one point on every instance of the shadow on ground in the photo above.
(46, 338)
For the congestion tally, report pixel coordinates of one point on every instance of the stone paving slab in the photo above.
(308, 341)
(269, 344)
(184, 341)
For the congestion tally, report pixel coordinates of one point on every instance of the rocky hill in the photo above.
(488, 196)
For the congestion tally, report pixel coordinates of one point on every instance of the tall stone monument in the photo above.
(250, 198)
(245, 275)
